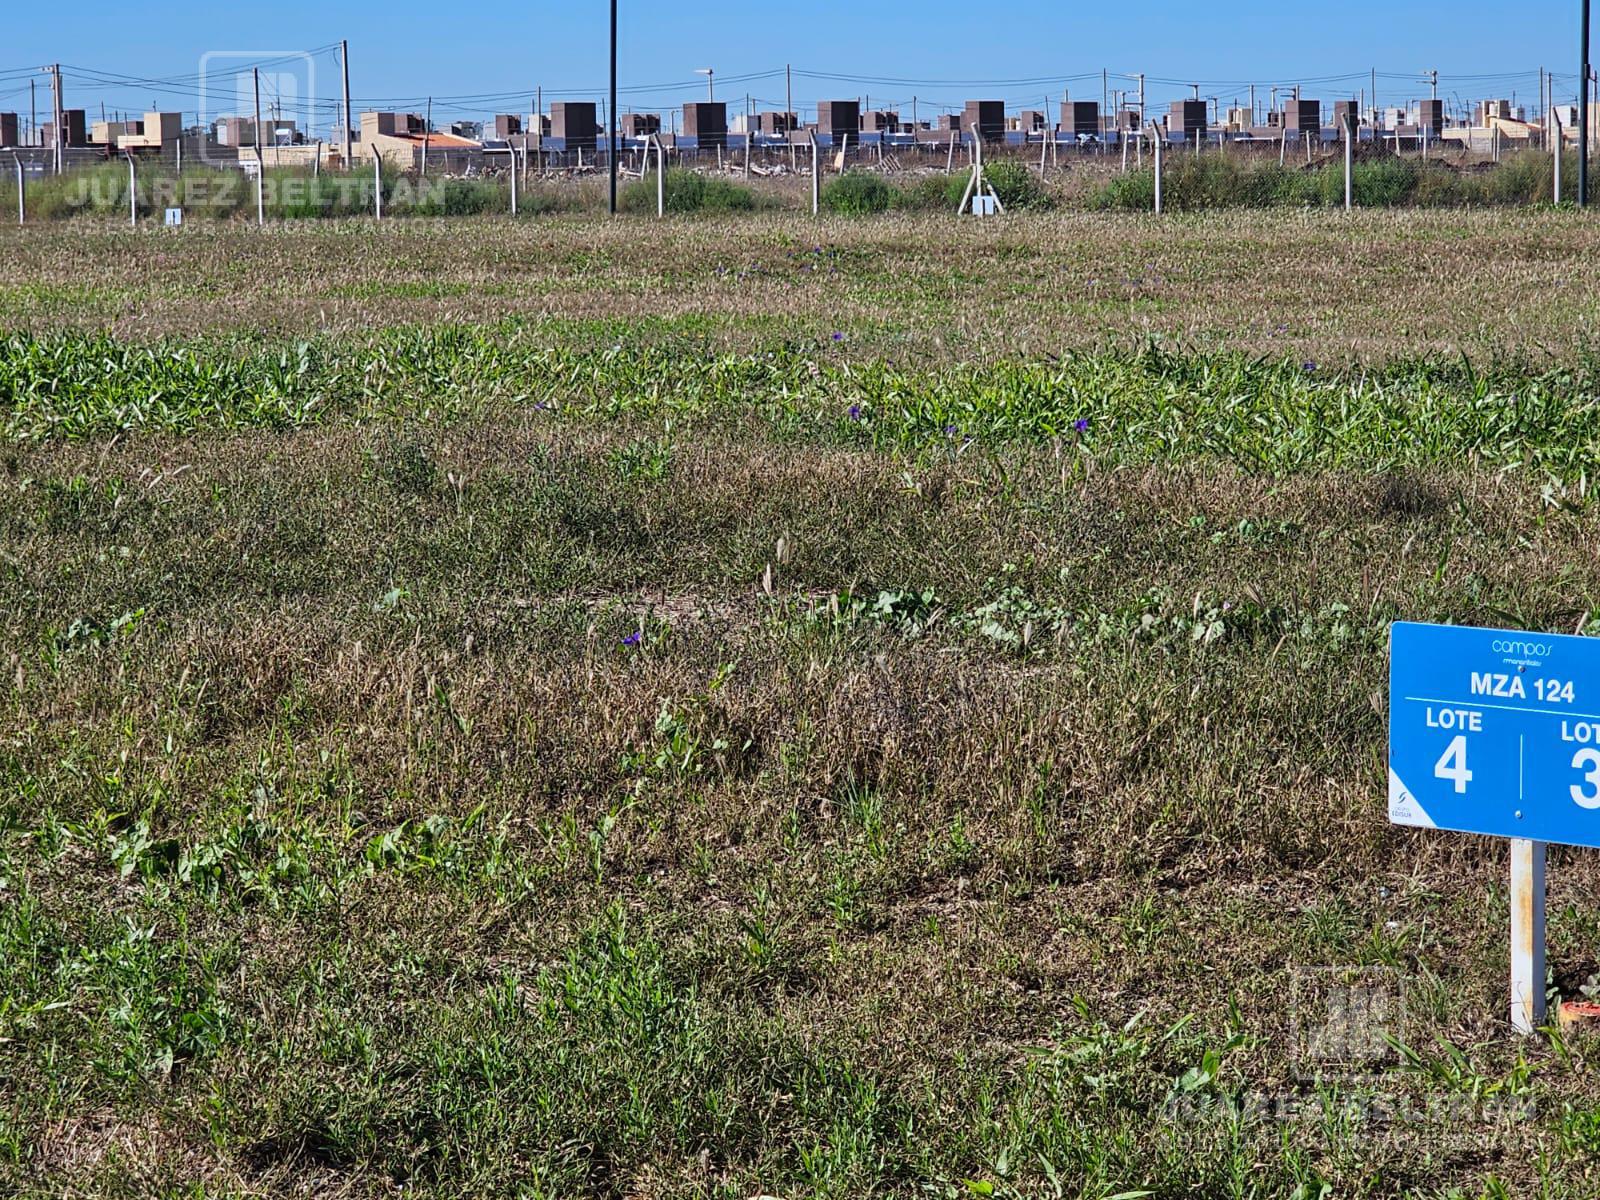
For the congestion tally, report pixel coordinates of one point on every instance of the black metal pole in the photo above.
(612, 120)
(1583, 111)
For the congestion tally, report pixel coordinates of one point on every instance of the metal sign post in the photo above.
(1497, 732)
(1527, 935)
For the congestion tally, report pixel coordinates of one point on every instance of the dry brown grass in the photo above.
(1315, 284)
(942, 844)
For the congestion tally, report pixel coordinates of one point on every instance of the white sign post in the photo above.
(1497, 732)
(1527, 935)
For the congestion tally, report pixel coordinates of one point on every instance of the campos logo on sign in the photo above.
(1526, 649)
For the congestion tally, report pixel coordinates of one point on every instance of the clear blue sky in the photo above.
(481, 57)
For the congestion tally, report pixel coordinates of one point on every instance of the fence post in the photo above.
(1556, 157)
(133, 193)
(22, 203)
(1349, 158)
(512, 147)
(1155, 141)
(816, 177)
(661, 177)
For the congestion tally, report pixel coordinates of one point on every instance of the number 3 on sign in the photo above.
(1452, 765)
(1591, 759)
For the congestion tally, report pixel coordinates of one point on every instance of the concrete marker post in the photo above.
(816, 177)
(1349, 159)
(22, 196)
(377, 185)
(1527, 935)
(133, 193)
(1555, 156)
(514, 165)
(1155, 141)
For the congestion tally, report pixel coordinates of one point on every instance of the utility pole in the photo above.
(33, 114)
(427, 130)
(344, 66)
(1583, 109)
(788, 112)
(611, 118)
(56, 136)
(1433, 85)
(261, 166)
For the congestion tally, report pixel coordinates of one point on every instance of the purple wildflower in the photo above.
(1081, 424)
(855, 412)
(633, 639)
(838, 337)
(1308, 366)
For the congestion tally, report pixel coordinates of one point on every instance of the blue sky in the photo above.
(481, 58)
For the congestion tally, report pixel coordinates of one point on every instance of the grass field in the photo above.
(750, 707)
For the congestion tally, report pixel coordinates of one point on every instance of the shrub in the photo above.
(1133, 192)
(1016, 185)
(1437, 187)
(687, 191)
(1385, 182)
(463, 197)
(857, 192)
(1013, 182)
(931, 193)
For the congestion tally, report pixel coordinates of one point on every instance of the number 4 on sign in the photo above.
(1452, 764)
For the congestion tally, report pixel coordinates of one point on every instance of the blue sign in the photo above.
(1495, 731)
